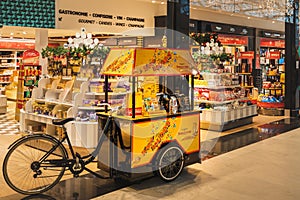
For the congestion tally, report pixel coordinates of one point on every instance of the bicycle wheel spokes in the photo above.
(22, 170)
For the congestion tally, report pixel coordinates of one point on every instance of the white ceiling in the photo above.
(270, 9)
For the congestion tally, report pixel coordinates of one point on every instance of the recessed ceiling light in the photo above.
(11, 33)
(273, 22)
(153, 1)
(162, 2)
(24, 32)
(248, 17)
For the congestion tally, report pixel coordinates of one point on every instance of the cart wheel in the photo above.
(170, 162)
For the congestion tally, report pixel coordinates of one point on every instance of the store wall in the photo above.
(114, 16)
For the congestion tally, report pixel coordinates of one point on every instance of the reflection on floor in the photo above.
(217, 146)
(87, 186)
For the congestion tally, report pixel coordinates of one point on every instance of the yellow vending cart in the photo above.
(157, 130)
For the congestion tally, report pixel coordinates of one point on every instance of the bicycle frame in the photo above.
(69, 162)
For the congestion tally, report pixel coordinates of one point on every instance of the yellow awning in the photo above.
(148, 62)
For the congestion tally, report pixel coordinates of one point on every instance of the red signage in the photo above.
(21, 45)
(233, 40)
(31, 57)
(245, 55)
(16, 45)
(267, 42)
(273, 55)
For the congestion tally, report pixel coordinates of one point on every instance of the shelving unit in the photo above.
(244, 70)
(49, 102)
(9, 62)
(223, 101)
(273, 67)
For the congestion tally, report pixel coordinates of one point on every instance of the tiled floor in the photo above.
(260, 171)
(267, 170)
(8, 124)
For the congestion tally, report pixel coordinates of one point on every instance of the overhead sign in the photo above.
(103, 16)
(233, 40)
(246, 55)
(277, 43)
(273, 55)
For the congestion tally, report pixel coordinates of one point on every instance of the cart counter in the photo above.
(142, 137)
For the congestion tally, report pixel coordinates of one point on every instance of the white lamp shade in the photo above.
(77, 35)
(96, 41)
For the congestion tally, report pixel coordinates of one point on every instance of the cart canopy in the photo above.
(148, 62)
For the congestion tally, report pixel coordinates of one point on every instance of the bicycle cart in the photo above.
(157, 130)
(143, 139)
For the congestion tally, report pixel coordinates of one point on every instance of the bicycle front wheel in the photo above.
(25, 173)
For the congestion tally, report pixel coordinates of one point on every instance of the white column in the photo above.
(41, 41)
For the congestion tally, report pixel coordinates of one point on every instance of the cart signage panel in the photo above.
(148, 136)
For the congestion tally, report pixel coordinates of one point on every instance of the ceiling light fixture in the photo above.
(232, 30)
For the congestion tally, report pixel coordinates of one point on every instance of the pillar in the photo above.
(292, 58)
(178, 19)
(41, 41)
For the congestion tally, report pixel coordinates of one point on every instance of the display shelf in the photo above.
(82, 133)
(1, 66)
(90, 108)
(220, 102)
(271, 111)
(6, 74)
(221, 120)
(223, 117)
(54, 102)
(9, 58)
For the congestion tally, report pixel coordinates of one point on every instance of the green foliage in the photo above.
(75, 53)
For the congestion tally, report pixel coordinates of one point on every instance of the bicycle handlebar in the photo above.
(104, 104)
(111, 109)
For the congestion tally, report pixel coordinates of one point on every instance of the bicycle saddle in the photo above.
(62, 121)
